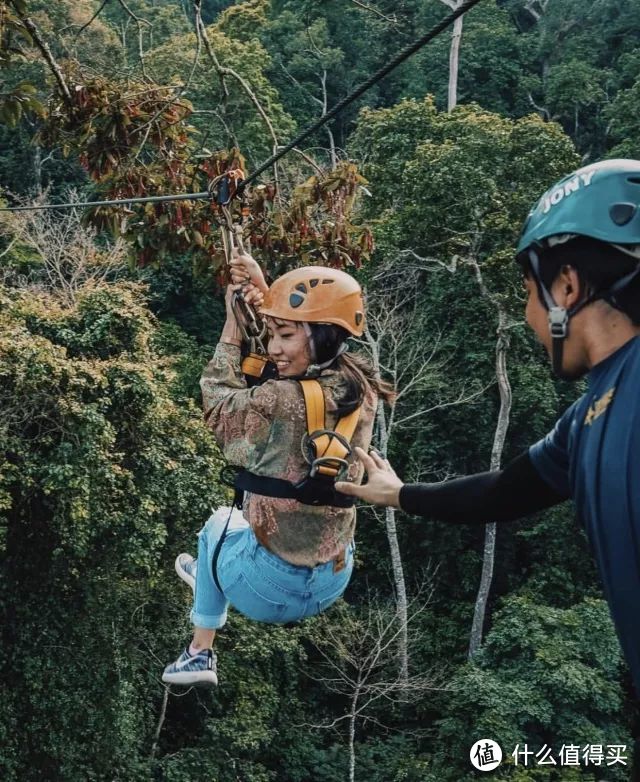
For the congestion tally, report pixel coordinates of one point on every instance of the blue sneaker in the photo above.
(193, 669)
(186, 568)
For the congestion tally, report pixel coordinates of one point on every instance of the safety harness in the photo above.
(326, 451)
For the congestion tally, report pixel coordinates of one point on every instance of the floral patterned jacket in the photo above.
(262, 428)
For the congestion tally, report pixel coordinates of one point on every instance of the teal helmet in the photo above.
(601, 201)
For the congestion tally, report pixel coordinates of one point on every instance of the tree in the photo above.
(545, 675)
(454, 55)
(362, 664)
(103, 476)
(413, 367)
(467, 183)
(65, 254)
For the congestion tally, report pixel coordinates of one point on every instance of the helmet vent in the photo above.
(622, 213)
(327, 282)
(295, 300)
(635, 180)
(359, 317)
(301, 287)
(313, 283)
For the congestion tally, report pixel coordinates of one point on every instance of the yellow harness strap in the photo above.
(254, 365)
(326, 446)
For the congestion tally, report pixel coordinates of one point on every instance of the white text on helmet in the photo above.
(569, 187)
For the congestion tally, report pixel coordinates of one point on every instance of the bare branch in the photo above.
(223, 71)
(545, 112)
(460, 400)
(432, 262)
(390, 19)
(139, 24)
(91, 21)
(43, 46)
(161, 718)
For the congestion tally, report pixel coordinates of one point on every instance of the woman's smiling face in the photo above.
(288, 347)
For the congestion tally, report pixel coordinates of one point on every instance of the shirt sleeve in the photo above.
(550, 456)
(239, 417)
(502, 495)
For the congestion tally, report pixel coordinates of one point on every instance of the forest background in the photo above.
(447, 634)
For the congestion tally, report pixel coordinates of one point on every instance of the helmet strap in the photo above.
(312, 344)
(559, 316)
(315, 369)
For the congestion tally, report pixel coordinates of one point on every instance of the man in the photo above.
(580, 253)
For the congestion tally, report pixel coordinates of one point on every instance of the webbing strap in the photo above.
(326, 446)
(310, 491)
(254, 365)
(314, 403)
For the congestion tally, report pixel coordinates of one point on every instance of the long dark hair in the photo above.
(358, 372)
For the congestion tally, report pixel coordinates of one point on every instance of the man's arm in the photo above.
(503, 495)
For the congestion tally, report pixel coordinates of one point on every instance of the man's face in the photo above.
(565, 292)
(535, 314)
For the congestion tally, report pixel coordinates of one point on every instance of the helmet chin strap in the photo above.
(559, 317)
(313, 370)
(310, 340)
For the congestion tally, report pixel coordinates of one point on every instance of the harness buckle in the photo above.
(309, 443)
(558, 322)
(333, 462)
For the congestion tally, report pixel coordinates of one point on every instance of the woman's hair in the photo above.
(357, 371)
(598, 265)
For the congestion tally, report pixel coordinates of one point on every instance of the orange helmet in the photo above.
(317, 294)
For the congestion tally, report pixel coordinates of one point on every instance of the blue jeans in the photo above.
(256, 582)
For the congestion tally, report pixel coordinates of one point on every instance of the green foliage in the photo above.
(622, 112)
(545, 676)
(102, 476)
(106, 470)
(243, 21)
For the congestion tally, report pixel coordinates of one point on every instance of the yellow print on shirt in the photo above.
(598, 407)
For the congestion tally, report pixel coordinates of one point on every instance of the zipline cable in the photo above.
(397, 60)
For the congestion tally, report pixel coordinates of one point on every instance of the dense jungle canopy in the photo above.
(107, 318)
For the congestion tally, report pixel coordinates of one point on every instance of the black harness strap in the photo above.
(216, 552)
(312, 490)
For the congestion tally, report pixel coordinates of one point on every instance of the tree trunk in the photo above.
(161, 718)
(37, 168)
(454, 58)
(396, 558)
(500, 434)
(352, 733)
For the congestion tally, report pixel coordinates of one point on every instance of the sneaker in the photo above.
(186, 567)
(197, 669)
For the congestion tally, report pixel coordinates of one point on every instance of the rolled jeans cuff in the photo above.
(207, 622)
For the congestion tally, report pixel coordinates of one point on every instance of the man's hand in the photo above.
(246, 271)
(383, 486)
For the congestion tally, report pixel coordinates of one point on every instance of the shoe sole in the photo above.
(191, 678)
(184, 575)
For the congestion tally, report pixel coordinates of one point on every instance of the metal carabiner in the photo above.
(251, 325)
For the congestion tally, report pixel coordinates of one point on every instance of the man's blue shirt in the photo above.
(593, 456)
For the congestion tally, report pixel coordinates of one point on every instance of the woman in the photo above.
(278, 560)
